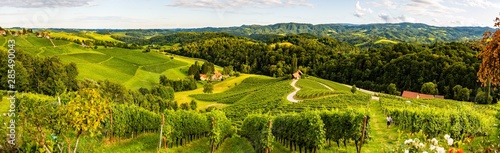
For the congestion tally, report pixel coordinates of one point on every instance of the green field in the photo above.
(248, 94)
(133, 68)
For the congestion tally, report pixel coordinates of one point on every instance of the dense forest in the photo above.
(407, 65)
(352, 33)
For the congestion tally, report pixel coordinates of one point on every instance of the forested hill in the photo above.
(357, 34)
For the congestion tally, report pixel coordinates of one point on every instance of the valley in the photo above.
(225, 90)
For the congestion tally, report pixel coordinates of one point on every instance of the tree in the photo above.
(482, 98)
(354, 89)
(193, 69)
(185, 106)
(294, 63)
(193, 105)
(164, 81)
(85, 113)
(207, 68)
(228, 70)
(429, 88)
(391, 89)
(71, 74)
(208, 88)
(464, 94)
(489, 70)
(456, 92)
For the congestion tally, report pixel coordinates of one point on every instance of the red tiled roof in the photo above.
(203, 76)
(217, 74)
(425, 96)
(409, 94)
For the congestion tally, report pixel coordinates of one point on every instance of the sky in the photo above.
(160, 14)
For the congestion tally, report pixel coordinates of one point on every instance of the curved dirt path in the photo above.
(291, 96)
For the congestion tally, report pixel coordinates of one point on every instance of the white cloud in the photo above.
(480, 3)
(360, 11)
(44, 3)
(432, 8)
(388, 18)
(388, 4)
(221, 4)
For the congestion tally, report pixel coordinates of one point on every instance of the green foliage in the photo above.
(312, 89)
(207, 68)
(258, 130)
(456, 92)
(185, 106)
(262, 100)
(464, 94)
(178, 85)
(40, 75)
(238, 92)
(344, 125)
(429, 88)
(193, 104)
(220, 127)
(305, 129)
(131, 119)
(354, 89)
(208, 88)
(435, 116)
(483, 98)
(392, 89)
(343, 101)
(186, 124)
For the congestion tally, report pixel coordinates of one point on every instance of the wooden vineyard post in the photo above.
(111, 113)
(363, 134)
(269, 126)
(161, 130)
(213, 142)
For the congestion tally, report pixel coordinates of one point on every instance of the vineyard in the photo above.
(257, 119)
(438, 117)
(311, 89)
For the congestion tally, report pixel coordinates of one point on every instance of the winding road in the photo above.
(291, 96)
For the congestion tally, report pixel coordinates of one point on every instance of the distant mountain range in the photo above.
(357, 34)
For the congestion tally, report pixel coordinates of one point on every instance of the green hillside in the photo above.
(131, 67)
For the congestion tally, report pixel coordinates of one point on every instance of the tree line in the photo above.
(407, 66)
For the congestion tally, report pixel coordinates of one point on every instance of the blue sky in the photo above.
(223, 13)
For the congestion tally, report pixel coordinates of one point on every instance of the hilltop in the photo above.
(353, 33)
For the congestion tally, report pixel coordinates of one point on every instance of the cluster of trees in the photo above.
(46, 75)
(178, 85)
(20, 32)
(206, 68)
(94, 43)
